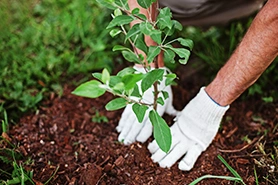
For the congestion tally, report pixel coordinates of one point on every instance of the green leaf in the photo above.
(177, 25)
(170, 78)
(135, 30)
(160, 101)
(105, 76)
(142, 16)
(150, 78)
(153, 52)
(125, 71)
(145, 3)
(136, 92)
(165, 94)
(116, 104)
(183, 53)
(122, 3)
(141, 57)
(131, 79)
(115, 32)
(131, 57)
(267, 99)
(161, 131)
(119, 87)
(186, 42)
(169, 56)
(114, 80)
(135, 11)
(117, 12)
(140, 43)
(156, 36)
(119, 21)
(120, 48)
(97, 76)
(183, 61)
(90, 89)
(146, 28)
(107, 3)
(140, 111)
(164, 18)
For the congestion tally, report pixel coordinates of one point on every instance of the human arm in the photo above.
(257, 50)
(199, 121)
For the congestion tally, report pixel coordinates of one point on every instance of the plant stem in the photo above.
(155, 85)
(126, 97)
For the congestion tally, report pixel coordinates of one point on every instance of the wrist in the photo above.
(203, 109)
(216, 95)
(208, 106)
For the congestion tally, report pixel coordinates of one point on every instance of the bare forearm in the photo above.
(258, 49)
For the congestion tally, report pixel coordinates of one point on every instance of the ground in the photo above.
(67, 146)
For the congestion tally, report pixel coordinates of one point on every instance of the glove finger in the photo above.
(159, 154)
(190, 158)
(124, 118)
(134, 131)
(126, 129)
(175, 154)
(153, 147)
(145, 132)
(171, 110)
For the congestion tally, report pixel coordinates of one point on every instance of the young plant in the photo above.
(130, 85)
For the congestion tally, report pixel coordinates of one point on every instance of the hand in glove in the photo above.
(192, 133)
(130, 129)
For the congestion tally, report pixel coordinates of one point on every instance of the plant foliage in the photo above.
(130, 85)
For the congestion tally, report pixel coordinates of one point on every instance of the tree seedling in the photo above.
(129, 85)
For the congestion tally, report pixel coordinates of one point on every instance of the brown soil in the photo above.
(62, 137)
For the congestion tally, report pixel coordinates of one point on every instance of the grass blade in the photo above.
(214, 177)
(233, 171)
(228, 166)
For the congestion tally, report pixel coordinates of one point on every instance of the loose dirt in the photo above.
(68, 147)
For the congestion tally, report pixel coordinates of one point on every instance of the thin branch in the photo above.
(126, 97)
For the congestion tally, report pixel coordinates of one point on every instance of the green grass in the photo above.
(44, 44)
(236, 178)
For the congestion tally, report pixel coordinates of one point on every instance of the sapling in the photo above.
(129, 85)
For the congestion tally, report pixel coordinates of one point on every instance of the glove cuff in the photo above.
(210, 109)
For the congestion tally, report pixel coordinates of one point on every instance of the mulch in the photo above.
(68, 147)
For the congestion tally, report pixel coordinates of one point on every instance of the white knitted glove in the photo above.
(130, 129)
(192, 133)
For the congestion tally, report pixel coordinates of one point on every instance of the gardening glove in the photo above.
(129, 128)
(192, 133)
